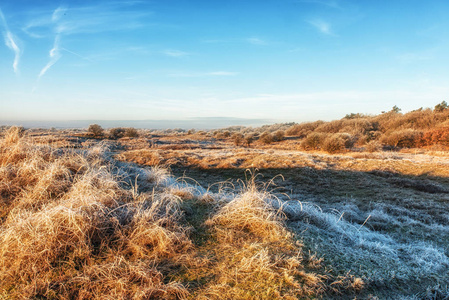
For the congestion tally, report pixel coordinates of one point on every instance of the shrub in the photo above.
(117, 132)
(441, 106)
(95, 129)
(302, 130)
(222, 134)
(278, 136)
(349, 140)
(407, 138)
(438, 136)
(266, 138)
(354, 116)
(313, 141)
(334, 143)
(237, 138)
(249, 139)
(131, 132)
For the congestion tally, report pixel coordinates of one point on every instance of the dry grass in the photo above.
(78, 225)
(70, 229)
(254, 256)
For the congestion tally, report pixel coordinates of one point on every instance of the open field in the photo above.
(188, 215)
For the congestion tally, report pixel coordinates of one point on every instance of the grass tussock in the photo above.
(254, 256)
(71, 229)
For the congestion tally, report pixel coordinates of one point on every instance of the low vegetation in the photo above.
(78, 224)
(359, 211)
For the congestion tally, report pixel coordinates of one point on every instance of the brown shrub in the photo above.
(96, 130)
(131, 132)
(237, 138)
(407, 138)
(249, 139)
(117, 132)
(302, 130)
(266, 138)
(334, 144)
(278, 136)
(313, 141)
(439, 136)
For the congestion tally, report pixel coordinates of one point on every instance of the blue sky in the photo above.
(283, 60)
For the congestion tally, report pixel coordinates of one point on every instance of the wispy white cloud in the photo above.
(58, 13)
(55, 55)
(10, 42)
(322, 26)
(77, 54)
(256, 41)
(103, 17)
(222, 73)
(175, 53)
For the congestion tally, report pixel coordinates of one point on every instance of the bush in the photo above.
(117, 132)
(95, 129)
(313, 141)
(438, 136)
(237, 138)
(278, 136)
(302, 130)
(441, 106)
(249, 139)
(131, 132)
(407, 138)
(222, 134)
(349, 140)
(266, 138)
(334, 144)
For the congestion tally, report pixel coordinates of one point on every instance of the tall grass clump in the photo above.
(254, 254)
(71, 228)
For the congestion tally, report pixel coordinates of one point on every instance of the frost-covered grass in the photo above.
(383, 260)
(77, 224)
(85, 222)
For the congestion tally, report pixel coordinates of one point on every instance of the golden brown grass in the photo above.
(254, 256)
(77, 225)
(73, 229)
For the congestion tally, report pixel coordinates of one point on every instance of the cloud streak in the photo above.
(10, 42)
(175, 53)
(55, 55)
(104, 17)
(322, 26)
(256, 41)
(58, 13)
